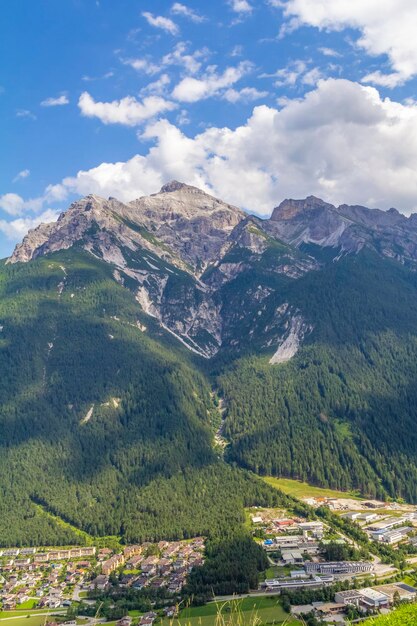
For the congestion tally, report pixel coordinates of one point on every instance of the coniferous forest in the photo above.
(107, 428)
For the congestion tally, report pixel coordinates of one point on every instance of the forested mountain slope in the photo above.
(102, 425)
(121, 325)
(343, 411)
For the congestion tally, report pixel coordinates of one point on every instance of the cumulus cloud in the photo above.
(16, 229)
(21, 175)
(241, 6)
(387, 27)
(190, 61)
(179, 55)
(247, 94)
(288, 75)
(185, 11)
(384, 80)
(329, 52)
(127, 111)
(191, 89)
(55, 102)
(157, 87)
(13, 204)
(144, 65)
(340, 141)
(297, 71)
(124, 180)
(158, 21)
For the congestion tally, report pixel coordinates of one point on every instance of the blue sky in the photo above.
(251, 100)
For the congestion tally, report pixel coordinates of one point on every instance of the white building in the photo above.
(373, 599)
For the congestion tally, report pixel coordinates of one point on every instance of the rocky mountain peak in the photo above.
(290, 208)
(174, 185)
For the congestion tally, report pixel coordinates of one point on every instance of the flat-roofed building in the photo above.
(291, 557)
(338, 567)
(405, 592)
(348, 597)
(371, 598)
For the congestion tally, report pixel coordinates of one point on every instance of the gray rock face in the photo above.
(192, 223)
(312, 220)
(180, 249)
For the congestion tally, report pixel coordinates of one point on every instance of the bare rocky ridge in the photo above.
(350, 228)
(180, 248)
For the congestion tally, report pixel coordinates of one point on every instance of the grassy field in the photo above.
(26, 612)
(246, 612)
(279, 571)
(299, 489)
(27, 620)
(30, 604)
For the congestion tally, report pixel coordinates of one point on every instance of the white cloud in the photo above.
(179, 56)
(142, 65)
(158, 21)
(182, 118)
(21, 175)
(157, 87)
(191, 62)
(237, 51)
(384, 80)
(247, 94)
(329, 52)
(13, 204)
(288, 75)
(17, 229)
(312, 77)
(194, 89)
(294, 72)
(241, 6)
(25, 113)
(340, 141)
(386, 26)
(127, 111)
(105, 76)
(181, 9)
(123, 180)
(55, 102)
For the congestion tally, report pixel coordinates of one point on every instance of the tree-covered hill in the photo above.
(104, 424)
(343, 411)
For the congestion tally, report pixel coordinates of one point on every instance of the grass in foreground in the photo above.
(403, 616)
(28, 620)
(30, 612)
(298, 489)
(245, 612)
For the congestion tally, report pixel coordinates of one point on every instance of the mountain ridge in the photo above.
(147, 325)
(178, 248)
(178, 205)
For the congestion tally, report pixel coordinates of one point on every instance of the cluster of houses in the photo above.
(166, 564)
(44, 578)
